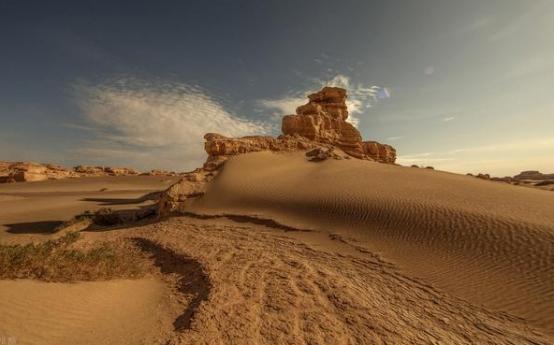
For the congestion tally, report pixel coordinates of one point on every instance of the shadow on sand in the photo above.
(124, 201)
(193, 281)
(42, 227)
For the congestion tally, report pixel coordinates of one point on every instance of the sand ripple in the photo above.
(489, 243)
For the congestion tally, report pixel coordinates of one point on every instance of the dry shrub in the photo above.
(59, 260)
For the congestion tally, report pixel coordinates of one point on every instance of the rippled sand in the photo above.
(110, 312)
(285, 251)
(489, 243)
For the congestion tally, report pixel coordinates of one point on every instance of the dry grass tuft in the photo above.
(60, 260)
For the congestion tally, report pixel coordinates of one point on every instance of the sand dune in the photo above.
(285, 251)
(489, 243)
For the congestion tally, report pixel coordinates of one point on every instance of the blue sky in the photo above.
(468, 84)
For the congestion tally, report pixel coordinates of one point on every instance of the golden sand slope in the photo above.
(486, 242)
(112, 312)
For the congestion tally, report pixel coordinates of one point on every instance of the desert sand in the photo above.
(311, 237)
(281, 250)
(488, 243)
(84, 312)
(32, 210)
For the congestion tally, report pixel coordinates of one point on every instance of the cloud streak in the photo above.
(154, 124)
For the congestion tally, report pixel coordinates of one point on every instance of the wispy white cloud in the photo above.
(77, 126)
(360, 97)
(448, 119)
(476, 25)
(283, 106)
(429, 70)
(148, 122)
(536, 11)
(394, 138)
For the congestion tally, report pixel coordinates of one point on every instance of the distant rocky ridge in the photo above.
(319, 127)
(31, 171)
(533, 175)
(530, 178)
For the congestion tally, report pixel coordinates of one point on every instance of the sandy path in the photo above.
(111, 312)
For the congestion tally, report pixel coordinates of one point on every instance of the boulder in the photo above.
(173, 198)
(322, 153)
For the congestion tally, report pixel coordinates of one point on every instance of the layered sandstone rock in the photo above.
(319, 127)
(86, 170)
(533, 175)
(191, 185)
(380, 152)
(120, 171)
(23, 172)
(159, 172)
(30, 171)
(322, 122)
(219, 145)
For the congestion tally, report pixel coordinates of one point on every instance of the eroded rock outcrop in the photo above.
(322, 122)
(85, 170)
(30, 171)
(191, 185)
(380, 152)
(533, 175)
(319, 127)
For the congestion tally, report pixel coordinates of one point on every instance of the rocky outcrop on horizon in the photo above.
(85, 170)
(31, 171)
(533, 175)
(529, 178)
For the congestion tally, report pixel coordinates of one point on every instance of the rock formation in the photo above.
(191, 185)
(380, 152)
(159, 172)
(319, 127)
(30, 171)
(322, 122)
(85, 170)
(530, 178)
(533, 175)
